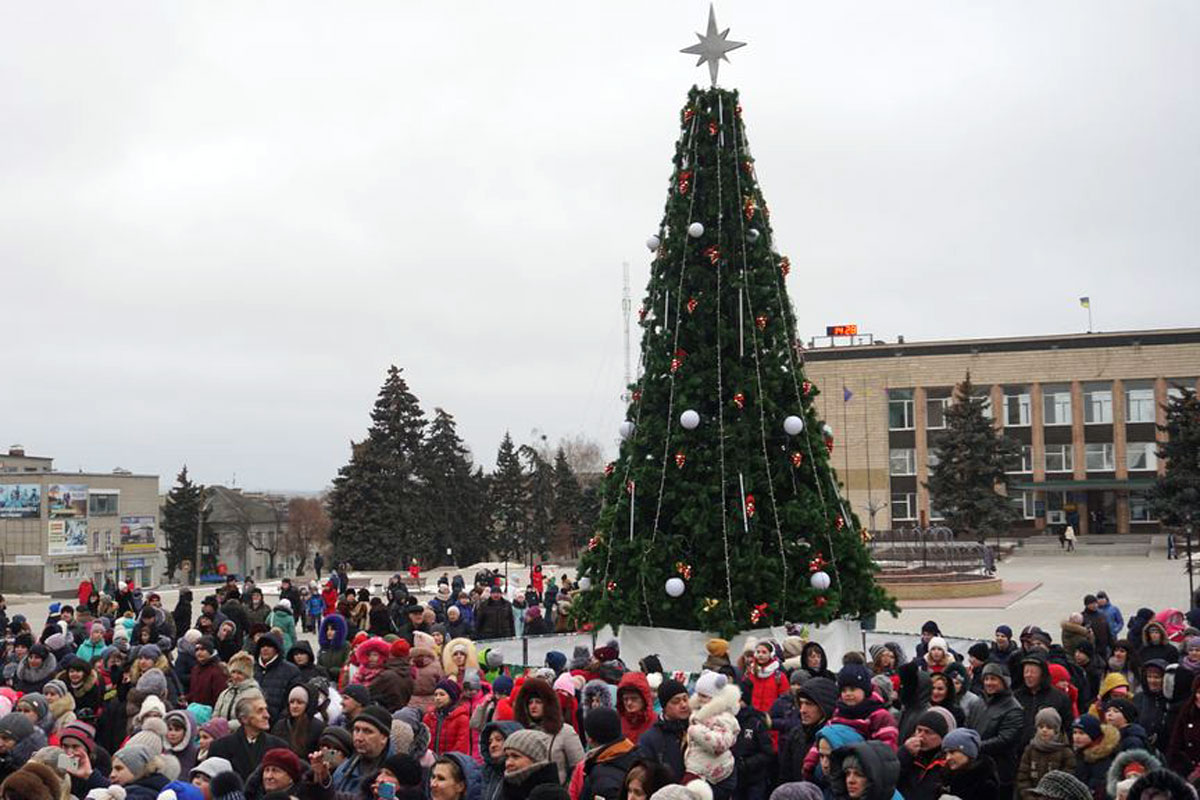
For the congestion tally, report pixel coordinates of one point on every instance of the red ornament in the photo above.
(609, 469)
(761, 322)
(691, 305)
(714, 255)
(688, 113)
(680, 352)
(642, 313)
(750, 506)
(680, 459)
(797, 458)
(829, 446)
(612, 586)
(749, 207)
(748, 168)
(637, 395)
(739, 400)
(713, 128)
(820, 601)
(685, 182)
(806, 387)
(676, 363)
(759, 612)
(785, 265)
(840, 522)
(817, 563)
(629, 486)
(684, 569)
(593, 543)
(737, 110)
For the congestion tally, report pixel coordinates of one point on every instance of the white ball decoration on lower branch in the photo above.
(652, 243)
(696, 230)
(585, 583)
(675, 587)
(819, 581)
(689, 419)
(626, 430)
(793, 425)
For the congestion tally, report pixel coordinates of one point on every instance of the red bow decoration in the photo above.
(688, 113)
(713, 128)
(750, 506)
(797, 458)
(820, 601)
(629, 486)
(691, 304)
(637, 395)
(714, 255)
(829, 445)
(593, 543)
(684, 569)
(737, 110)
(840, 522)
(739, 400)
(817, 563)
(761, 322)
(806, 387)
(641, 313)
(612, 586)
(759, 612)
(680, 459)
(685, 182)
(609, 469)
(785, 263)
(676, 363)
(749, 207)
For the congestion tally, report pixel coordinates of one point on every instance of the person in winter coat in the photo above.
(458, 656)
(491, 745)
(663, 742)
(494, 618)
(1095, 747)
(712, 729)
(301, 655)
(1152, 705)
(1112, 686)
(275, 675)
(1095, 619)
(1000, 726)
(1155, 644)
(635, 705)
(753, 753)
(815, 702)
(865, 771)
(1131, 763)
(135, 769)
(180, 739)
(915, 688)
(815, 662)
(1047, 751)
(536, 707)
(971, 703)
(37, 667)
(372, 656)
(300, 726)
(1074, 633)
(448, 720)
(610, 756)
(281, 617)
(427, 672)
(1036, 693)
(333, 649)
(859, 708)
(942, 694)
(1122, 714)
(85, 687)
(241, 684)
(527, 764)
(94, 645)
(922, 766)
(209, 677)
(19, 740)
(970, 773)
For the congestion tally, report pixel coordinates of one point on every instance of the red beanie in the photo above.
(400, 648)
(285, 760)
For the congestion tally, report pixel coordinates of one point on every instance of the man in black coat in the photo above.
(1036, 693)
(494, 619)
(664, 740)
(245, 747)
(1000, 724)
(815, 700)
(753, 752)
(290, 593)
(609, 754)
(275, 675)
(1097, 620)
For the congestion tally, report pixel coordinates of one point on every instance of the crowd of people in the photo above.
(119, 698)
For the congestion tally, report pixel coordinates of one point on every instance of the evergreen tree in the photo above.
(453, 496)
(539, 505)
(376, 506)
(566, 514)
(739, 509)
(972, 457)
(180, 517)
(506, 496)
(1175, 497)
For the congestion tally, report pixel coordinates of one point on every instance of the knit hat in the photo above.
(153, 681)
(358, 693)
(979, 651)
(16, 726)
(556, 660)
(33, 781)
(152, 705)
(449, 687)
(206, 644)
(1049, 718)
(999, 670)
(495, 659)
(931, 627)
(533, 744)
(669, 688)
(337, 738)
(135, 758)
(149, 651)
(797, 790)
(1126, 707)
(1089, 725)
(1089, 599)
(36, 702)
(378, 717)
(81, 732)
(709, 683)
(212, 767)
(217, 727)
(227, 786)
(150, 737)
(502, 686)
(423, 639)
(965, 740)
(935, 720)
(939, 643)
(717, 648)
(242, 663)
(401, 648)
(1061, 785)
(56, 686)
(299, 692)
(855, 676)
(286, 760)
(603, 725)
(406, 769)
(1004, 629)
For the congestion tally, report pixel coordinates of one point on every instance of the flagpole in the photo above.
(1089, 315)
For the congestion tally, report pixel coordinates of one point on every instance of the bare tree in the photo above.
(584, 455)
(307, 531)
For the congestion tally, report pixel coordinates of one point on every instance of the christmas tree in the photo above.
(722, 511)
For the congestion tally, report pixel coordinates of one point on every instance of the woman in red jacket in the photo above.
(635, 705)
(448, 721)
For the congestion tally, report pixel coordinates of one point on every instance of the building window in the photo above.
(900, 409)
(984, 394)
(1023, 462)
(1023, 502)
(1056, 508)
(1141, 456)
(1060, 458)
(903, 461)
(1016, 406)
(904, 506)
(1098, 457)
(1056, 405)
(1139, 402)
(935, 412)
(935, 512)
(1139, 508)
(102, 504)
(1097, 403)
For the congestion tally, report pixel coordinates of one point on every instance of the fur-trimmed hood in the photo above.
(1146, 630)
(552, 720)
(448, 655)
(725, 701)
(1123, 760)
(373, 645)
(597, 692)
(1159, 782)
(1110, 740)
(338, 622)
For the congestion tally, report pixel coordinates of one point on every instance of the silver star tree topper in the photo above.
(713, 46)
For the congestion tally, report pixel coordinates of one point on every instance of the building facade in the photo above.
(1084, 408)
(57, 528)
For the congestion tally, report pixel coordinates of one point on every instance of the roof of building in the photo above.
(1064, 341)
(233, 507)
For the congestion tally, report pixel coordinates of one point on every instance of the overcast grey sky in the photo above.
(221, 221)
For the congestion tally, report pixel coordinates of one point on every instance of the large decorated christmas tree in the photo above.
(723, 511)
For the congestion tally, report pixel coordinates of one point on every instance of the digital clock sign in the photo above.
(841, 330)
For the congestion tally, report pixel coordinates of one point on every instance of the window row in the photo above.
(1056, 405)
(1099, 457)
(904, 506)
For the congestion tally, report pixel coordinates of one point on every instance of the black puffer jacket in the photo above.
(277, 678)
(1000, 725)
(1034, 700)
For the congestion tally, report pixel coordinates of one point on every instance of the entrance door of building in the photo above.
(1102, 511)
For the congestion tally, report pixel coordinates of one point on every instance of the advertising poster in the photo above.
(137, 533)
(67, 499)
(20, 500)
(68, 537)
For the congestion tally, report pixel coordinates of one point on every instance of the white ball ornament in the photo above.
(752, 235)
(793, 425)
(652, 243)
(675, 587)
(695, 230)
(819, 581)
(626, 429)
(585, 583)
(825, 429)
(689, 419)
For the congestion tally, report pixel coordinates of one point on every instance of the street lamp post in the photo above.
(204, 507)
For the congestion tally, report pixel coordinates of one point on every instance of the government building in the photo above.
(1084, 408)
